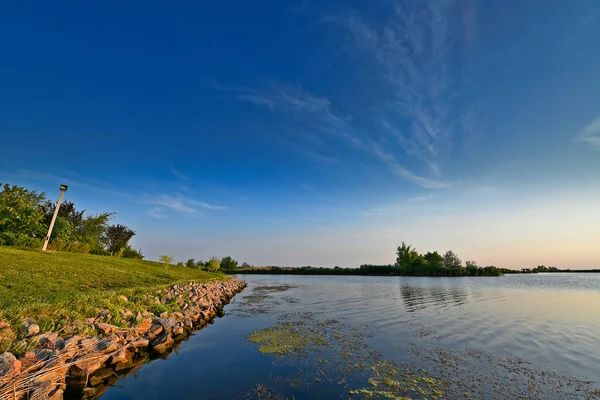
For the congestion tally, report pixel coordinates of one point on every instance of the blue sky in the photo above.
(314, 133)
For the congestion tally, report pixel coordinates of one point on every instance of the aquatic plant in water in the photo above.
(284, 338)
(388, 382)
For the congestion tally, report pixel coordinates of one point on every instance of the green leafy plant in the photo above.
(166, 260)
(213, 264)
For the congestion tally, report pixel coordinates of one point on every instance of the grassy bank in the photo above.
(58, 288)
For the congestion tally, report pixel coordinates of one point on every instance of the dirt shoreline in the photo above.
(83, 366)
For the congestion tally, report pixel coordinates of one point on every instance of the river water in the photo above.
(515, 336)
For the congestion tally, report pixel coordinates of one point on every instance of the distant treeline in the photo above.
(543, 268)
(372, 270)
(408, 263)
(471, 269)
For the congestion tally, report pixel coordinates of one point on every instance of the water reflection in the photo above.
(420, 297)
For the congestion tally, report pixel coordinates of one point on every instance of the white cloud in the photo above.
(590, 134)
(181, 203)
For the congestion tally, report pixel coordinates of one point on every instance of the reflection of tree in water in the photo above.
(420, 297)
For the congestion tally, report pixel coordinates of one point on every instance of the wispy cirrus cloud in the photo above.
(402, 172)
(181, 203)
(156, 212)
(179, 174)
(420, 111)
(297, 100)
(398, 208)
(207, 206)
(319, 113)
(590, 134)
(412, 52)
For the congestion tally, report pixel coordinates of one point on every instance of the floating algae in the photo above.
(284, 338)
(261, 300)
(330, 354)
(388, 382)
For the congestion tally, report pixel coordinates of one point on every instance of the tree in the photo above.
(434, 259)
(21, 213)
(117, 237)
(417, 260)
(92, 230)
(246, 265)
(405, 255)
(228, 263)
(191, 263)
(472, 268)
(67, 211)
(451, 260)
(166, 261)
(213, 264)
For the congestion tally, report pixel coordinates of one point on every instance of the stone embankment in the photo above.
(83, 366)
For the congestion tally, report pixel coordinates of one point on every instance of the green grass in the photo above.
(58, 288)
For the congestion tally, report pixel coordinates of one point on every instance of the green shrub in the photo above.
(70, 246)
(129, 252)
(26, 242)
(57, 244)
(100, 252)
(8, 238)
(78, 247)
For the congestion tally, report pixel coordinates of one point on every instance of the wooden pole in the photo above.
(62, 193)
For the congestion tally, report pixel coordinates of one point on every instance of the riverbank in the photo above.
(83, 366)
(70, 323)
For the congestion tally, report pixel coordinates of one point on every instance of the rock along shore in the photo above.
(83, 366)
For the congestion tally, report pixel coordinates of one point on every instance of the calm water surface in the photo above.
(548, 322)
